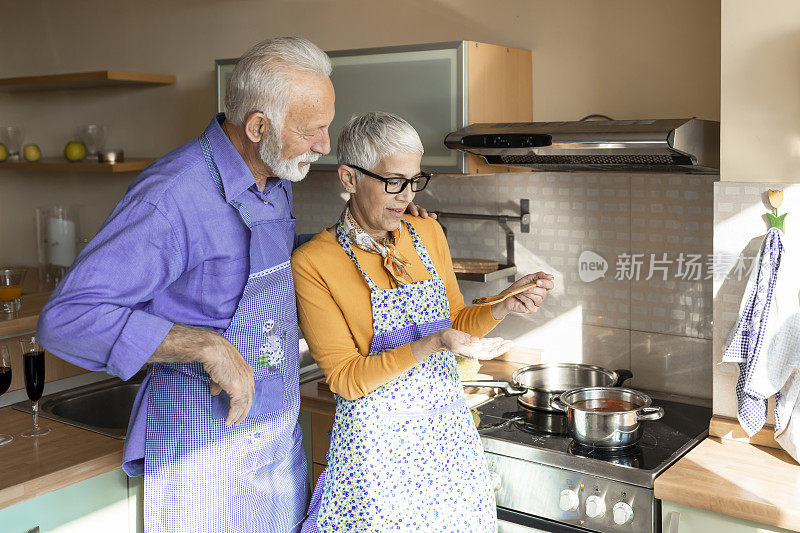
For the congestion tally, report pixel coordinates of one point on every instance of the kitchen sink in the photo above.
(105, 407)
(102, 407)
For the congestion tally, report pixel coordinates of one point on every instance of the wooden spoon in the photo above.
(491, 300)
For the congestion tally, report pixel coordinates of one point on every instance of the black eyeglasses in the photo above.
(398, 185)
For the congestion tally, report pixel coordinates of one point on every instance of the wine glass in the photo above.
(5, 382)
(33, 356)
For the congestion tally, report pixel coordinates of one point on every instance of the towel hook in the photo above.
(775, 200)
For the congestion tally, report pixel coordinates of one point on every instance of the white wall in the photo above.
(760, 96)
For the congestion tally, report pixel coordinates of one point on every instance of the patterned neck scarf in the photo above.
(393, 261)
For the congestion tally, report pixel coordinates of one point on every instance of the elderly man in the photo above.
(191, 272)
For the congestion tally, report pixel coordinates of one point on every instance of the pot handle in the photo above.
(557, 404)
(507, 388)
(649, 413)
(623, 375)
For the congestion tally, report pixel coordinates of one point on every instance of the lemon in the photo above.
(3, 152)
(74, 151)
(32, 153)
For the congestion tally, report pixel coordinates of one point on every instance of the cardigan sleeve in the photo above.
(349, 374)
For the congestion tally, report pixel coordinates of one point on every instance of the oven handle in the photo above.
(527, 523)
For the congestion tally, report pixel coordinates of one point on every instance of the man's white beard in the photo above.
(269, 149)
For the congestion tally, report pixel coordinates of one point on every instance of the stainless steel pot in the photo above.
(606, 429)
(537, 385)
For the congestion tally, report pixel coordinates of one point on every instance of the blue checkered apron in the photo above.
(407, 456)
(201, 476)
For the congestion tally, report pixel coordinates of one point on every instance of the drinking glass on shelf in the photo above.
(93, 137)
(5, 383)
(11, 289)
(12, 137)
(33, 358)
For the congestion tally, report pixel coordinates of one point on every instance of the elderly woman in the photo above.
(383, 316)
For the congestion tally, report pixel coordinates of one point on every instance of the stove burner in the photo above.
(626, 456)
(535, 421)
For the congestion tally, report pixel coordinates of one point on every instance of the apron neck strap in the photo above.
(422, 252)
(344, 243)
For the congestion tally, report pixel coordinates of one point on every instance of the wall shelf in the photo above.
(509, 269)
(61, 165)
(80, 80)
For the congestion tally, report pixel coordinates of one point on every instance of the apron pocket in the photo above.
(268, 398)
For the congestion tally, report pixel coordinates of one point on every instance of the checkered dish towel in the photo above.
(766, 340)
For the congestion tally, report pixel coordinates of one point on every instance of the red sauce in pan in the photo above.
(605, 405)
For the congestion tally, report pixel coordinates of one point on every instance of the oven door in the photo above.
(513, 522)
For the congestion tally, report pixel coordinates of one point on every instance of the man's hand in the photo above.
(223, 362)
(231, 373)
(526, 302)
(419, 211)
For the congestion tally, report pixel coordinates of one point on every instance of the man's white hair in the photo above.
(369, 137)
(260, 79)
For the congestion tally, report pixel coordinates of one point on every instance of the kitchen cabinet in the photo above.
(103, 503)
(437, 87)
(678, 518)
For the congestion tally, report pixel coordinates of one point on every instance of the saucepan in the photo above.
(537, 385)
(606, 417)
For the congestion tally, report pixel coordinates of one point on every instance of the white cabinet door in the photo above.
(96, 504)
(682, 519)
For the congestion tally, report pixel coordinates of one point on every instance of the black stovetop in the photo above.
(682, 425)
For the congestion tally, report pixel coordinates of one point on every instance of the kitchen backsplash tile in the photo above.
(672, 220)
(613, 215)
(671, 363)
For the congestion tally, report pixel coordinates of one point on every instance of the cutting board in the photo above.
(477, 266)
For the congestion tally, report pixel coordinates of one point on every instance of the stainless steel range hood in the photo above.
(662, 145)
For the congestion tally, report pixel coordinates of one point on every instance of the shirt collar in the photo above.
(236, 175)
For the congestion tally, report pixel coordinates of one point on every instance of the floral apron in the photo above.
(406, 457)
(201, 476)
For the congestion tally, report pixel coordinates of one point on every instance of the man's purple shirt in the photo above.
(172, 251)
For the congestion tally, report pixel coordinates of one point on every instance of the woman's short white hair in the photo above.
(260, 79)
(369, 137)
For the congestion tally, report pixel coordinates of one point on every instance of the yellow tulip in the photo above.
(775, 198)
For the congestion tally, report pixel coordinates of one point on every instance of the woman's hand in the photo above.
(472, 347)
(529, 301)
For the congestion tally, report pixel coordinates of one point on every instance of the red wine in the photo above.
(34, 375)
(5, 378)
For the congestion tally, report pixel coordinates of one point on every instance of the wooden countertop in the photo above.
(317, 400)
(737, 479)
(36, 466)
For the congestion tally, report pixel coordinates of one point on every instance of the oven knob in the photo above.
(568, 501)
(623, 514)
(495, 481)
(595, 507)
